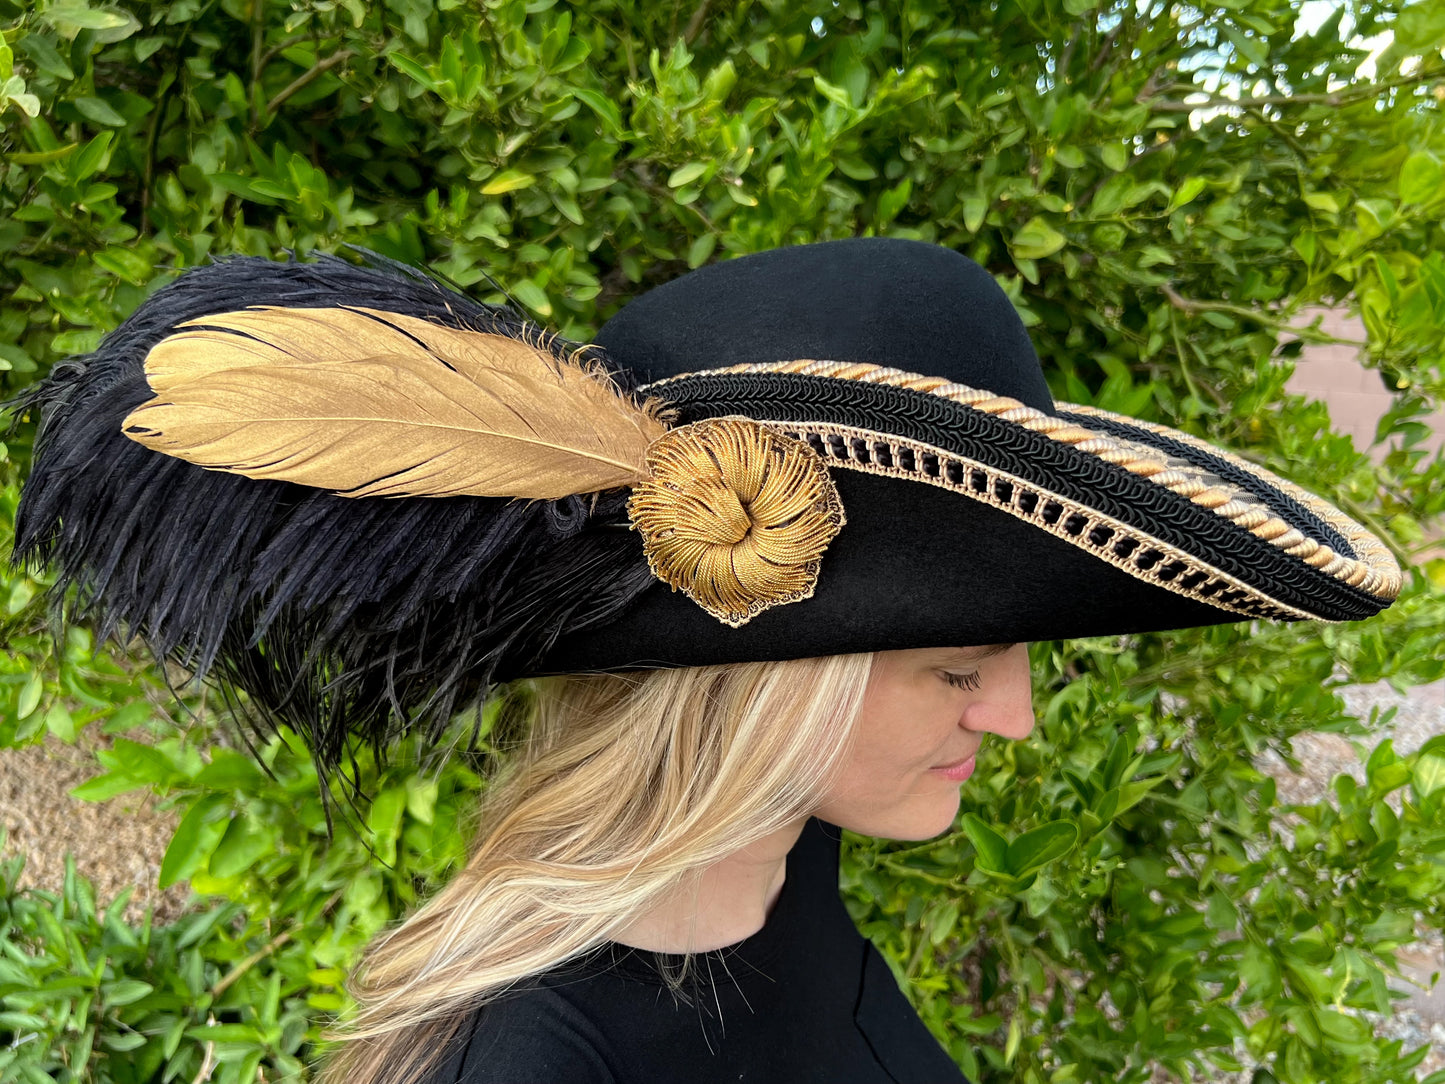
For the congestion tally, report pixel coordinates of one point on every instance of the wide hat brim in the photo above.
(364, 498)
(978, 511)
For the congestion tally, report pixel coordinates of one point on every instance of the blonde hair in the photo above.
(625, 786)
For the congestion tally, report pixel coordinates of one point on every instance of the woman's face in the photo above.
(924, 716)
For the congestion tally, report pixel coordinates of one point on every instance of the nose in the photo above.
(1009, 713)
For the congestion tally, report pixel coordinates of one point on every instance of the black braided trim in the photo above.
(1079, 476)
(1278, 502)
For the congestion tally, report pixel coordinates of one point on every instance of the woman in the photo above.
(844, 462)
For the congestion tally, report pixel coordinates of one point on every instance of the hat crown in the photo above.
(884, 301)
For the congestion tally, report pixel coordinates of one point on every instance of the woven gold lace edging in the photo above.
(1374, 570)
(1372, 552)
(1136, 552)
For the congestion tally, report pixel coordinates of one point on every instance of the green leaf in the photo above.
(569, 208)
(421, 798)
(60, 723)
(893, 200)
(47, 59)
(533, 296)
(1131, 794)
(941, 920)
(29, 696)
(103, 787)
(1080, 786)
(509, 180)
(686, 174)
(1429, 774)
(1373, 216)
(129, 717)
(123, 1042)
(195, 837)
(383, 820)
(98, 110)
(992, 848)
(834, 93)
(413, 70)
(1420, 178)
(227, 1033)
(606, 109)
(1260, 973)
(1222, 913)
(72, 16)
(1253, 50)
(228, 770)
(855, 169)
(1037, 239)
(1039, 846)
(1071, 157)
(240, 846)
(126, 264)
(140, 761)
(1185, 193)
(974, 208)
(92, 157)
(27, 103)
(701, 249)
(40, 158)
(1115, 156)
(76, 341)
(124, 992)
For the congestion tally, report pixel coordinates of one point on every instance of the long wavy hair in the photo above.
(624, 788)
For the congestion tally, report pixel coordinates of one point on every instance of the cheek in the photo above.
(896, 741)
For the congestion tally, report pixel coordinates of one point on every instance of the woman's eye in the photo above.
(963, 681)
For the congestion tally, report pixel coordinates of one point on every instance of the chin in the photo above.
(910, 821)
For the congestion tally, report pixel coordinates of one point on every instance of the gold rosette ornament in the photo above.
(736, 516)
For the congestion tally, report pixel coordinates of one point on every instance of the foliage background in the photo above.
(1126, 897)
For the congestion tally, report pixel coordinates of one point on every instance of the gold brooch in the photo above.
(735, 516)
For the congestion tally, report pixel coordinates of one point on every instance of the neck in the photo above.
(725, 903)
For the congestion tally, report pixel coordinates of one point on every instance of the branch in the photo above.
(249, 962)
(258, 39)
(208, 1062)
(1334, 98)
(1307, 334)
(1105, 47)
(319, 68)
(281, 46)
(694, 25)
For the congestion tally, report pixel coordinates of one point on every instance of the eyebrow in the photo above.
(978, 654)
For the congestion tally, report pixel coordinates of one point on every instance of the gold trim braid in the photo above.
(1136, 552)
(1373, 570)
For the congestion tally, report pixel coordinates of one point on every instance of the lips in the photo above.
(954, 764)
(958, 771)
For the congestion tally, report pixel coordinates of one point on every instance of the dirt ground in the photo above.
(119, 844)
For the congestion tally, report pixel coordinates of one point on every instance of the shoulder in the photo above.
(529, 1037)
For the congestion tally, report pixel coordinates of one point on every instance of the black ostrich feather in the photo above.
(338, 616)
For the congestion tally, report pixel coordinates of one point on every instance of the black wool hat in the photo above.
(364, 498)
(1022, 520)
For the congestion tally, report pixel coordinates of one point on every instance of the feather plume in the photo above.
(341, 618)
(370, 403)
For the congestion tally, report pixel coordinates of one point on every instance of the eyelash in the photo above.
(972, 681)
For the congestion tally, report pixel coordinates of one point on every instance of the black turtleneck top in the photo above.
(805, 1000)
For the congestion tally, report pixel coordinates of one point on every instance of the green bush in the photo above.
(1161, 189)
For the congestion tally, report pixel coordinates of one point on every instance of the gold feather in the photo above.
(370, 403)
